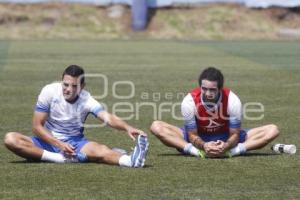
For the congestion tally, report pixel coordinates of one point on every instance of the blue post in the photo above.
(139, 13)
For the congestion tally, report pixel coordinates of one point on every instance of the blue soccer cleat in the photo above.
(138, 156)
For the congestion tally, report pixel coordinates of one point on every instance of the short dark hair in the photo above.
(75, 71)
(212, 74)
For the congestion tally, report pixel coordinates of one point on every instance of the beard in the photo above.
(211, 102)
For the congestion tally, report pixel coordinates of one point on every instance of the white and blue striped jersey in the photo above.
(65, 119)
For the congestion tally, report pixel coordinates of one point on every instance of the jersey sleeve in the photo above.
(44, 100)
(234, 110)
(94, 106)
(188, 111)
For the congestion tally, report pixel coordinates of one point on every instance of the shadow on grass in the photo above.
(26, 161)
(173, 154)
(41, 162)
(260, 154)
(148, 166)
(249, 154)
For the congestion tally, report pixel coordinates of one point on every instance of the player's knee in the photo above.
(156, 127)
(11, 140)
(102, 153)
(273, 130)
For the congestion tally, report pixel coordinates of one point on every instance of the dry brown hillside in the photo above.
(73, 21)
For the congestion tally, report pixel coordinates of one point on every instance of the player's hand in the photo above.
(222, 146)
(210, 148)
(214, 148)
(133, 132)
(67, 148)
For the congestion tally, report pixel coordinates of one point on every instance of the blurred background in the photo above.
(160, 46)
(154, 19)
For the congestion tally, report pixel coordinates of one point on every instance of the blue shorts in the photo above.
(223, 136)
(77, 142)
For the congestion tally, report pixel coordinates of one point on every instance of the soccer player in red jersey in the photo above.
(212, 122)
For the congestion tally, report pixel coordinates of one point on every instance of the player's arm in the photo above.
(210, 148)
(117, 123)
(234, 134)
(112, 120)
(235, 115)
(38, 129)
(195, 139)
(42, 110)
(189, 114)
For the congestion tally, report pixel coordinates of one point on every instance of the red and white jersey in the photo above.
(217, 119)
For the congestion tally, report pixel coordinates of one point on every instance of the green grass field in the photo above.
(265, 72)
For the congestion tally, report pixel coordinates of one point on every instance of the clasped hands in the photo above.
(215, 148)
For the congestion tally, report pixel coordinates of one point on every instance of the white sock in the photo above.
(238, 150)
(53, 157)
(190, 149)
(125, 161)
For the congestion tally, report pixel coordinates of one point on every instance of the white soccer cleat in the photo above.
(138, 156)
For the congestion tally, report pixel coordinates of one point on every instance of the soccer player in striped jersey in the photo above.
(212, 122)
(58, 119)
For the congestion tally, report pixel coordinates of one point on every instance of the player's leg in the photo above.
(173, 136)
(24, 146)
(255, 138)
(168, 134)
(96, 152)
(261, 136)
